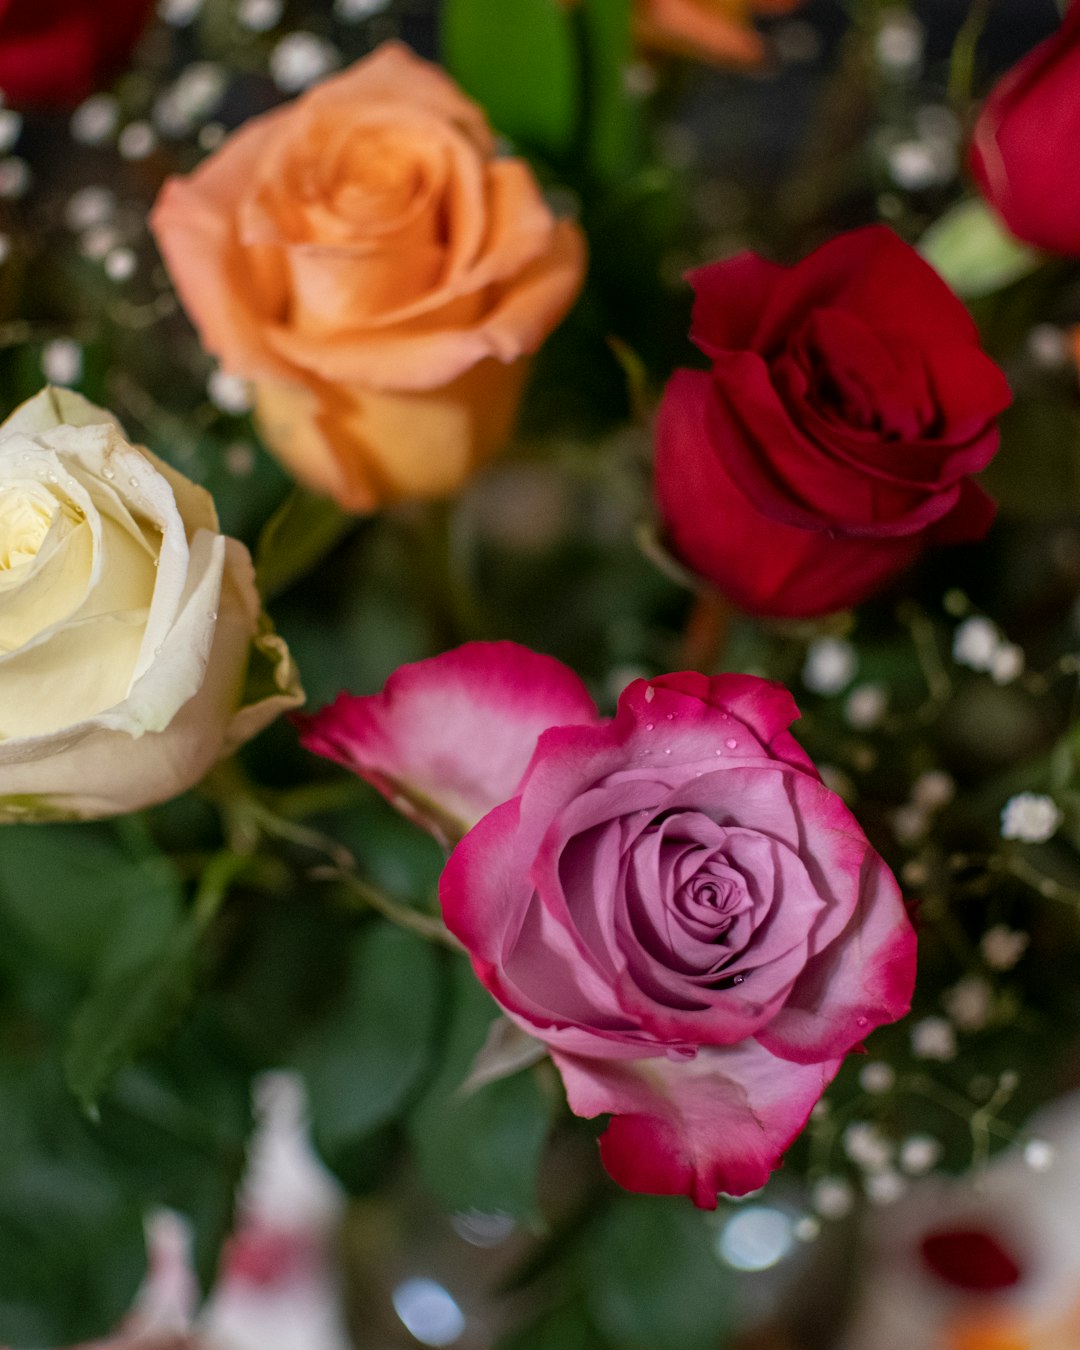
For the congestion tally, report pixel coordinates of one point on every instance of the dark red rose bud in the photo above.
(1023, 154)
(53, 53)
(848, 404)
(971, 1259)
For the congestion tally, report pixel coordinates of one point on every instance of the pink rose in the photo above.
(671, 900)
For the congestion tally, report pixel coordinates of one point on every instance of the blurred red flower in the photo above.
(53, 53)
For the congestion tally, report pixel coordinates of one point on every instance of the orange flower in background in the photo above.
(711, 30)
(364, 257)
(1007, 1330)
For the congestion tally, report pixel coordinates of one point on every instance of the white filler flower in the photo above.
(1030, 816)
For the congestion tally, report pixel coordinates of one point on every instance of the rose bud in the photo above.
(1025, 141)
(128, 622)
(381, 274)
(833, 437)
(53, 53)
(672, 901)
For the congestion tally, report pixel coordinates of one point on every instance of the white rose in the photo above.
(129, 625)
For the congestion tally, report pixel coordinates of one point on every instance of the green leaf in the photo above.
(71, 1230)
(520, 62)
(566, 1328)
(127, 1011)
(299, 534)
(174, 1129)
(612, 116)
(363, 1061)
(479, 1151)
(651, 1279)
(84, 899)
(974, 252)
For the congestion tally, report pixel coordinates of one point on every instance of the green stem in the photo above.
(434, 549)
(218, 875)
(318, 799)
(962, 62)
(1047, 886)
(248, 819)
(426, 925)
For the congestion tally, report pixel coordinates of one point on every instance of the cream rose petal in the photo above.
(131, 623)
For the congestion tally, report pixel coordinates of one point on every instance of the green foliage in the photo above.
(1040, 476)
(613, 120)
(174, 1129)
(71, 1229)
(362, 1062)
(301, 531)
(564, 1328)
(479, 1151)
(85, 900)
(519, 61)
(652, 1280)
(974, 252)
(126, 1011)
(110, 911)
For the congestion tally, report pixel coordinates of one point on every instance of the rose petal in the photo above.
(765, 566)
(1027, 127)
(418, 356)
(454, 734)
(716, 1123)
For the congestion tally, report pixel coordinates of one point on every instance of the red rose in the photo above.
(55, 52)
(1025, 143)
(847, 403)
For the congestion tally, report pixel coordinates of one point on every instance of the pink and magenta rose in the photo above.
(1024, 149)
(833, 438)
(671, 900)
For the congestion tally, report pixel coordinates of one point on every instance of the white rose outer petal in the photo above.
(179, 653)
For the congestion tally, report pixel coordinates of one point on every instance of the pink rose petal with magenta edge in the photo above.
(449, 738)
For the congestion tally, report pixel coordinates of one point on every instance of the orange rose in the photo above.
(381, 275)
(711, 30)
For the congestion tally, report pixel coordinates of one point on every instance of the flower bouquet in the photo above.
(538, 618)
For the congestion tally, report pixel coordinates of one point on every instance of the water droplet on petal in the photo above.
(650, 694)
(649, 726)
(732, 743)
(668, 750)
(133, 481)
(671, 717)
(108, 473)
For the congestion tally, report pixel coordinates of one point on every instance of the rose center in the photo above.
(26, 516)
(713, 902)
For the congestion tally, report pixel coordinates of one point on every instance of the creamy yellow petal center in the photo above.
(26, 515)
